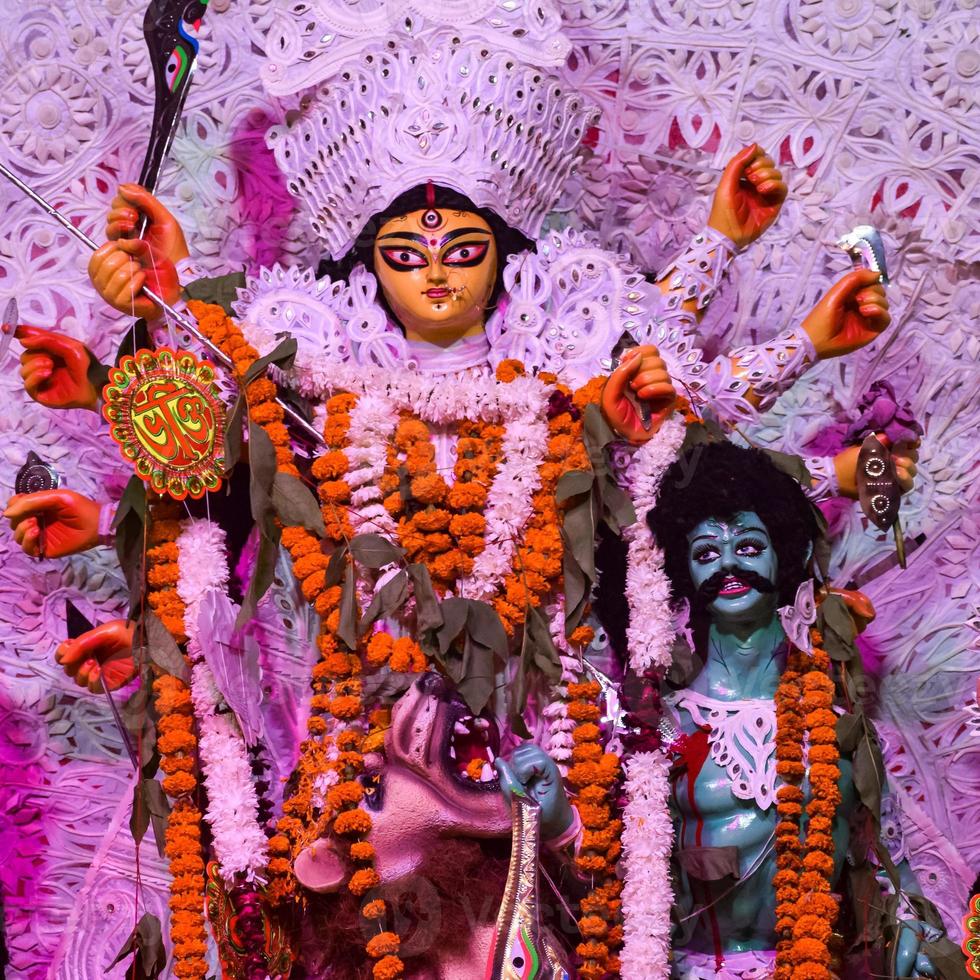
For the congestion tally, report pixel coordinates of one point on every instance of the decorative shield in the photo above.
(877, 482)
(164, 411)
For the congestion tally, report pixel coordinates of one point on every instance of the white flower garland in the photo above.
(560, 742)
(436, 398)
(233, 807)
(648, 832)
(650, 635)
(372, 421)
(509, 503)
(648, 836)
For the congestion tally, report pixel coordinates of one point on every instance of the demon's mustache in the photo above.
(708, 590)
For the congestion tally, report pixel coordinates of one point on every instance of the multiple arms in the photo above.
(741, 383)
(72, 523)
(121, 267)
(57, 373)
(748, 200)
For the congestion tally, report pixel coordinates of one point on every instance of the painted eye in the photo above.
(404, 258)
(468, 253)
(176, 66)
(750, 549)
(704, 556)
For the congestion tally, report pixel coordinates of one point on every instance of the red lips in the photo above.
(734, 587)
(440, 293)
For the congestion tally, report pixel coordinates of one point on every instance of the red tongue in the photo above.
(469, 747)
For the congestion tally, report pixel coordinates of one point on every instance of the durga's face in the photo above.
(437, 270)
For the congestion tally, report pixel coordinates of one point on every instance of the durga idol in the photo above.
(460, 364)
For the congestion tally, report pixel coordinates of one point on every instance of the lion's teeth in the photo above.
(452, 751)
(460, 729)
(486, 773)
(490, 754)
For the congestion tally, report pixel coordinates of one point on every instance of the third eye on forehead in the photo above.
(427, 240)
(738, 525)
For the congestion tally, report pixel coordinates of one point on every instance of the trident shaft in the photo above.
(217, 354)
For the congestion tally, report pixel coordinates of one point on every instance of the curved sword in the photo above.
(521, 949)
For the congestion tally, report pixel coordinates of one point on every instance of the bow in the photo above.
(171, 29)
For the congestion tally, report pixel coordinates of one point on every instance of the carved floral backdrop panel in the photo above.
(870, 107)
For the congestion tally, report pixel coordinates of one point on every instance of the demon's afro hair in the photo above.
(720, 479)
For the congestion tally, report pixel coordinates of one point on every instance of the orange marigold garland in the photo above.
(538, 562)
(337, 690)
(163, 529)
(594, 774)
(438, 524)
(443, 527)
(806, 908)
(177, 744)
(336, 679)
(333, 676)
(263, 409)
(789, 809)
(811, 955)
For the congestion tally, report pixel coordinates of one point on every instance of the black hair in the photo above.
(508, 240)
(720, 479)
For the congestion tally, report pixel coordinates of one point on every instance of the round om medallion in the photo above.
(164, 411)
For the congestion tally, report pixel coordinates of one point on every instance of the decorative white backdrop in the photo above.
(870, 107)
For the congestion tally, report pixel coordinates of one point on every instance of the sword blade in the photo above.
(117, 718)
(11, 317)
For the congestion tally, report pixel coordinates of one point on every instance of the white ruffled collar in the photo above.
(466, 353)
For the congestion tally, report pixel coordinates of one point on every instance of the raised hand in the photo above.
(103, 655)
(120, 269)
(642, 372)
(905, 456)
(532, 771)
(852, 314)
(54, 523)
(55, 369)
(163, 233)
(858, 605)
(749, 196)
(910, 960)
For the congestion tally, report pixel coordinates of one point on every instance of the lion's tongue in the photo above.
(471, 740)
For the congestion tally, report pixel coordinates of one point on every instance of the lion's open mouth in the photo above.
(472, 744)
